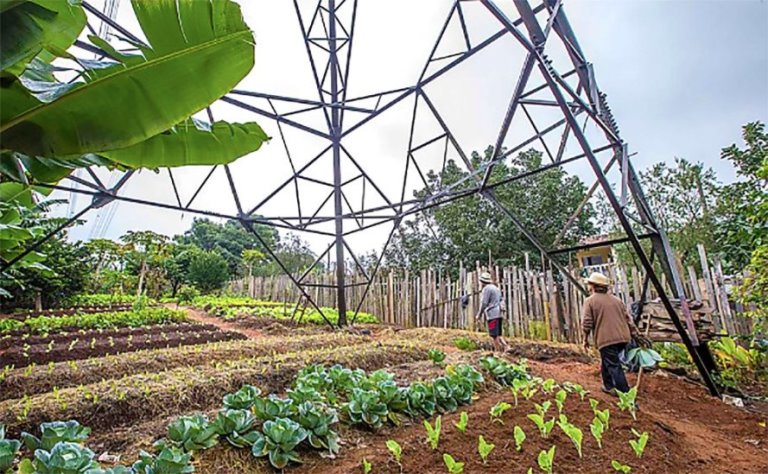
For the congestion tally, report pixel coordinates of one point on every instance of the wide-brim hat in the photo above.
(599, 279)
(485, 277)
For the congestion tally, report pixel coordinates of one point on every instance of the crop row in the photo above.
(40, 379)
(309, 315)
(46, 324)
(78, 349)
(142, 397)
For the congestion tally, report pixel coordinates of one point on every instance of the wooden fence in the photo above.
(539, 304)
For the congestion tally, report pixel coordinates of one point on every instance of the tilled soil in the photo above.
(78, 347)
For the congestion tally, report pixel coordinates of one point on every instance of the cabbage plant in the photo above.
(278, 441)
(238, 427)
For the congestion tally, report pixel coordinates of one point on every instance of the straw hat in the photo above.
(485, 277)
(599, 279)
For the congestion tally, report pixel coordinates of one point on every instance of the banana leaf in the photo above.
(193, 143)
(198, 51)
(29, 26)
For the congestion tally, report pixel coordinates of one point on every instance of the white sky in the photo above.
(681, 78)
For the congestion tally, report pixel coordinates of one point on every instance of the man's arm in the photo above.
(485, 300)
(631, 323)
(587, 322)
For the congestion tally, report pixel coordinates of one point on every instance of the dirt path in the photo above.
(202, 317)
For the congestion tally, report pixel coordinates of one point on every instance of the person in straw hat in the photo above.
(607, 317)
(490, 306)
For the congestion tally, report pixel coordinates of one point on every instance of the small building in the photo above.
(594, 256)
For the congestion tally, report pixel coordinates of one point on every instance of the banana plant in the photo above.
(132, 109)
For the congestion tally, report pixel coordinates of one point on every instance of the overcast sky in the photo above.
(681, 77)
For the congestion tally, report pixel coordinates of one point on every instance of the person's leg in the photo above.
(604, 372)
(613, 365)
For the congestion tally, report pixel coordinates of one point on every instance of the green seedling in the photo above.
(628, 401)
(436, 356)
(498, 410)
(597, 428)
(560, 397)
(619, 467)
(573, 432)
(546, 460)
(548, 386)
(517, 386)
(543, 408)
(639, 444)
(396, 450)
(366, 466)
(433, 433)
(545, 427)
(484, 448)
(453, 466)
(463, 420)
(571, 387)
(519, 438)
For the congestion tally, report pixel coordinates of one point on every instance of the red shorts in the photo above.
(494, 327)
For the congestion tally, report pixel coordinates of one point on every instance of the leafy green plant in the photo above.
(504, 372)
(628, 401)
(436, 356)
(317, 419)
(484, 448)
(463, 421)
(560, 397)
(517, 386)
(396, 450)
(243, 399)
(8, 450)
(420, 400)
(238, 427)
(465, 372)
(64, 457)
(638, 445)
(454, 467)
(443, 390)
(548, 386)
(543, 408)
(545, 427)
(272, 407)
(603, 415)
(465, 344)
(365, 408)
(619, 467)
(278, 442)
(367, 467)
(571, 387)
(498, 410)
(573, 432)
(519, 438)
(191, 433)
(546, 460)
(433, 433)
(597, 428)
(168, 461)
(54, 432)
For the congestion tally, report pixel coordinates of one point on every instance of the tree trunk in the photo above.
(38, 301)
(142, 272)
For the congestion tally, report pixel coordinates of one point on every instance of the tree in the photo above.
(177, 265)
(208, 271)
(742, 206)
(147, 251)
(468, 228)
(683, 198)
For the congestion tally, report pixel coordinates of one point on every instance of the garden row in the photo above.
(49, 324)
(248, 309)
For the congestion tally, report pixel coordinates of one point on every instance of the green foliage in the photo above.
(546, 460)
(317, 420)
(421, 400)
(504, 372)
(603, 416)
(279, 441)
(619, 467)
(396, 450)
(627, 401)
(573, 432)
(452, 465)
(436, 356)
(237, 426)
(465, 344)
(498, 410)
(575, 388)
(91, 299)
(638, 445)
(8, 450)
(48, 324)
(366, 408)
(519, 438)
(168, 461)
(484, 448)
(272, 407)
(545, 427)
(191, 433)
(208, 271)
(64, 457)
(433, 432)
(560, 397)
(243, 399)
(597, 428)
(463, 421)
(367, 468)
(55, 432)
(187, 294)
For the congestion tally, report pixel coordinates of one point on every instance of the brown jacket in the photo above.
(608, 317)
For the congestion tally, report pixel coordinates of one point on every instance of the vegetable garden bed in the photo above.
(46, 324)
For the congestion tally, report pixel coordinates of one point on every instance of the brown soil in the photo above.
(202, 317)
(22, 315)
(689, 432)
(78, 347)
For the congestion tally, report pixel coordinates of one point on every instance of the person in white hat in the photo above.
(607, 317)
(490, 306)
